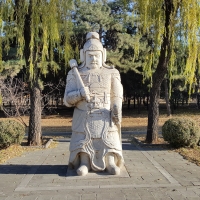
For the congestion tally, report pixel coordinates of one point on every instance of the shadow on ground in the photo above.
(61, 170)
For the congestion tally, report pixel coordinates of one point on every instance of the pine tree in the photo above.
(117, 32)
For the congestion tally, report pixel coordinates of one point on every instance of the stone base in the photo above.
(71, 174)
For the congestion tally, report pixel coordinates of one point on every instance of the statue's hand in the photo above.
(116, 116)
(85, 93)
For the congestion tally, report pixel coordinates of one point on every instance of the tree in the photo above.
(163, 19)
(37, 35)
(15, 98)
(115, 27)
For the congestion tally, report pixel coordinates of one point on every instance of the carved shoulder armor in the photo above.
(116, 86)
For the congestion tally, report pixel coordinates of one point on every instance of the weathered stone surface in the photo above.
(95, 90)
(44, 177)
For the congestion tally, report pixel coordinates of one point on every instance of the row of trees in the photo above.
(156, 40)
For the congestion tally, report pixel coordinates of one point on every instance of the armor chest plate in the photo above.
(97, 82)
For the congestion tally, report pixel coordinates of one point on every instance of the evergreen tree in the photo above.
(116, 29)
(127, 48)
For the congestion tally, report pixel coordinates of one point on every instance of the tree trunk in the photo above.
(129, 103)
(153, 114)
(34, 134)
(139, 103)
(134, 101)
(198, 101)
(158, 76)
(167, 98)
(147, 101)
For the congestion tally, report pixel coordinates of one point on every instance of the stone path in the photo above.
(149, 173)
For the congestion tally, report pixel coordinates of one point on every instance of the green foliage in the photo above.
(11, 132)
(183, 32)
(181, 132)
(116, 26)
(91, 16)
(1, 101)
(40, 32)
(11, 68)
(37, 29)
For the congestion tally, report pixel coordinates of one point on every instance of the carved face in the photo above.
(93, 59)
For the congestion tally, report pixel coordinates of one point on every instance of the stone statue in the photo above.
(96, 92)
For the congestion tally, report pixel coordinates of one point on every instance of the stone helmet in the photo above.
(92, 44)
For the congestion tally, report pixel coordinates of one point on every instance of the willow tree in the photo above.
(162, 19)
(39, 28)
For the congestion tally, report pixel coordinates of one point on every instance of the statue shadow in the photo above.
(145, 147)
(60, 170)
(128, 146)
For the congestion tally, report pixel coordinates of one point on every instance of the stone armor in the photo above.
(94, 131)
(92, 125)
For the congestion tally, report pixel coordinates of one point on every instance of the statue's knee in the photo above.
(82, 170)
(110, 158)
(111, 166)
(84, 166)
(84, 159)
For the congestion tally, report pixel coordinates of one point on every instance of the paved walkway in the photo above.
(149, 174)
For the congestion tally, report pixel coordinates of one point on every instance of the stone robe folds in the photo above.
(93, 130)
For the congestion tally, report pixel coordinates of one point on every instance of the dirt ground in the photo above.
(56, 123)
(131, 121)
(128, 124)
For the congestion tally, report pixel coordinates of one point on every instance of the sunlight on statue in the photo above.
(95, 90)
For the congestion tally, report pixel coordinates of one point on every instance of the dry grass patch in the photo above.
(191, 154)
(17, 150)
(10, 152)
(160, 140)
(14, 151)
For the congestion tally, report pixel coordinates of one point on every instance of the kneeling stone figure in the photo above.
(95, 90)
